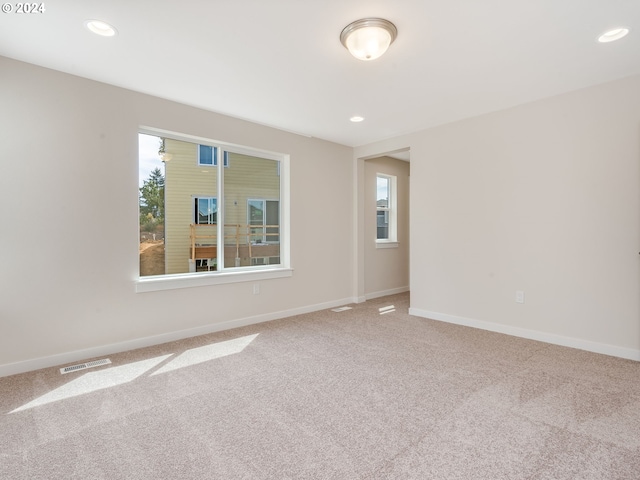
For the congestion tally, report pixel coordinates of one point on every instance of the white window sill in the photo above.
(188, 280)
(380, 244)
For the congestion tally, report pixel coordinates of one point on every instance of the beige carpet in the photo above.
(350, 395)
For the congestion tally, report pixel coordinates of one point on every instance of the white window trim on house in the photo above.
(392, 211)
(265, 238)
(230, 275)
(196, 211)
(214, 154)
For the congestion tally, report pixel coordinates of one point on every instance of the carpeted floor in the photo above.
(349, 395)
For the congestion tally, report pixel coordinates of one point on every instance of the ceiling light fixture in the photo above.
(100, 28)
(368, 38)
(613, 35)
(356, 118)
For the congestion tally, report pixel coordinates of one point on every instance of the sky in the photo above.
(148, 146)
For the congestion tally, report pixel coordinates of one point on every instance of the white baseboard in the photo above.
(384, 293)
(84, 354)
(615, 351)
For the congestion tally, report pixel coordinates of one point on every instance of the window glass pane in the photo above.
(207, 155)
(206, 210)
(256, 212)
(252, 211)
(272, 219)
(256, 217)
(191, 208)
(382, 225)
(382, 192)
(151, 204)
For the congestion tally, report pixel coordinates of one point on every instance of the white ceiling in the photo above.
(281, 63)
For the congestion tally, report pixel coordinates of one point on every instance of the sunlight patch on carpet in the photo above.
(114, 376)
(387, 309)
(198, 355)
(93, 381)
(340, 309)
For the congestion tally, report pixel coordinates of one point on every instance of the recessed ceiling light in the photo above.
(100, 28)
(612, 35)
(356, 118)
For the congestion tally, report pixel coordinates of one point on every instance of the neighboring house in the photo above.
(251, 208)
(382, 219)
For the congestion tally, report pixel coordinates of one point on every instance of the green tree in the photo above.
(152, 201)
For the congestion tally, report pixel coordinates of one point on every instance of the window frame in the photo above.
(228, 274)
(265, 238)
(196, 210)
(214, 155)
(391, 210)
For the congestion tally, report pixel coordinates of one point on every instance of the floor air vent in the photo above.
(83, 366)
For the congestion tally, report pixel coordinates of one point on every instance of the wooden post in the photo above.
(192, 229)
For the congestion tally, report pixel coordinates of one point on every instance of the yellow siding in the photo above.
(184, 179)
(246, 178)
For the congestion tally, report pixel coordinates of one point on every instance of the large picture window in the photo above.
(215, 219)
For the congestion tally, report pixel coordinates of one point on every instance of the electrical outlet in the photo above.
(256, 288)
(519, 296)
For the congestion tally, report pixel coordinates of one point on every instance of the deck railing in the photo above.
(242, 235)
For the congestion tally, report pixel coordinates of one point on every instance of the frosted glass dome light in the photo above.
(368, 38)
